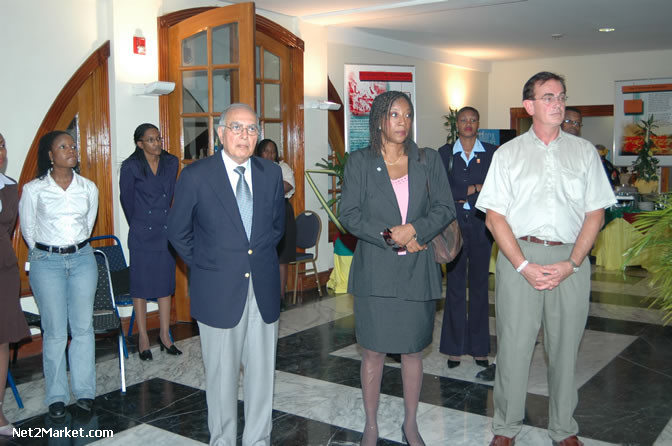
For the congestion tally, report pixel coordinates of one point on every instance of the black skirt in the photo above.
(287, 246)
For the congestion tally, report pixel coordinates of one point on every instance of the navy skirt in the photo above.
(152, 273)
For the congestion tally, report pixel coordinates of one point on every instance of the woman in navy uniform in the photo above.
(467, 163)
(147, 183)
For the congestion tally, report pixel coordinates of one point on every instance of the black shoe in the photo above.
(403, 434)
(452, 364)
(145, 355)
(172, 350)
(85, 404)
(57, 411)
(482, 363)
(396, 357)
(487, 374)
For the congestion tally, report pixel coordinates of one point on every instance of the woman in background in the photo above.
(266, 148)
(395, 201)
(146, 187)
(13, 325)
(58, 210)
(466, 328)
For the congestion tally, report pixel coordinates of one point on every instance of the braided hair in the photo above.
(43, 149)
(380, 110)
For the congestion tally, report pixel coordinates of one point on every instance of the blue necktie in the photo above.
(244, 198)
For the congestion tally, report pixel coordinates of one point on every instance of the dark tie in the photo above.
(244, 198)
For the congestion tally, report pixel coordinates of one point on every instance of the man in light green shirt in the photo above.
(544, 198)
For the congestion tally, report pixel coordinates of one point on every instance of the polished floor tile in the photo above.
(622, 375)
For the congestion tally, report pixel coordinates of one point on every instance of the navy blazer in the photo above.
(146, 198)
(369, 205)
(462, 176)
(206, 230)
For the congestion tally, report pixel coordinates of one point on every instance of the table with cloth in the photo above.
(615, 238)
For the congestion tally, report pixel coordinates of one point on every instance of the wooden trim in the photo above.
(336, 135)
(518, 113)
(279, 33)
(295, 122)
(98, 159)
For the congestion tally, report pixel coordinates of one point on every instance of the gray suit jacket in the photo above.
(369, 205)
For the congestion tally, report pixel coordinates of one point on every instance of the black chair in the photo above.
(120, 276)
(105, 315)
(308, 230)
(119, 272)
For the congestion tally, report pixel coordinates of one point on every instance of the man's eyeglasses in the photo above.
(237, 129)
(152, 140)
(573, 123)
(549, 98)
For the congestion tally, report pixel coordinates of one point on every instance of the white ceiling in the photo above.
(494, 30)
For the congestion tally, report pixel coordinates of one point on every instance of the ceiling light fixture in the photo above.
(557, 36)
(607, 30)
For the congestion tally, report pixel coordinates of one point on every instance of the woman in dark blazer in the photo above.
(394, 279)
(146, 185)
(467, 163)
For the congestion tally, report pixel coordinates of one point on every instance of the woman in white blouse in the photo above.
(57, 212)
(266, 148)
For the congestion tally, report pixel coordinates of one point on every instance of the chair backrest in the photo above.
(105, 316)
(308, 230)
(114, 254)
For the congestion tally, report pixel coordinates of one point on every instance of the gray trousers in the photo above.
(250, 345)
(520, 309)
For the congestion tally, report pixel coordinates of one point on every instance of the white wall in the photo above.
(590, 79)
(438, 87)
(316, 127)
(43, 43)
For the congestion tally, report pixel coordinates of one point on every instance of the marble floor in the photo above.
(624, 377)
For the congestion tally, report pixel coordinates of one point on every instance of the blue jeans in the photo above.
(64, 286)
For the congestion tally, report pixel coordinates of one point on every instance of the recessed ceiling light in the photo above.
(557, 36)
(607, 30)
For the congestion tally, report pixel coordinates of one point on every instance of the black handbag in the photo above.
(448, 243)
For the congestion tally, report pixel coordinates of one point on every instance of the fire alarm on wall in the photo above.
(139, 45)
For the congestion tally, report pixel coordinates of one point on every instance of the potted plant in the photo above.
(646, 164)
(344, 243)
(656, 229)
(332, 168)
(451, 125)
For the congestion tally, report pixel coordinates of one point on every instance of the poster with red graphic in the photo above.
(636, 101)
(362, 84)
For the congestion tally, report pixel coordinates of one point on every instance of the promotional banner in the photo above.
(636, 101)
(362, 84)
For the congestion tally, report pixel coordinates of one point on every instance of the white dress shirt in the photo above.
(288, 177)
(545, 190)
(231, 165)
(56, 217)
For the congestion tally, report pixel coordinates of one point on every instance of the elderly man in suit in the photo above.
(225, 223)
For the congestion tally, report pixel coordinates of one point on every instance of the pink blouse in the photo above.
(400, 186)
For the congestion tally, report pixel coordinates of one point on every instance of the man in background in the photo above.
(573, 121)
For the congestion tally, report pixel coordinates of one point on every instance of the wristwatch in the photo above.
(575, 267)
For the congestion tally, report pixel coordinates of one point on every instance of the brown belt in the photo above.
(533, 239)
